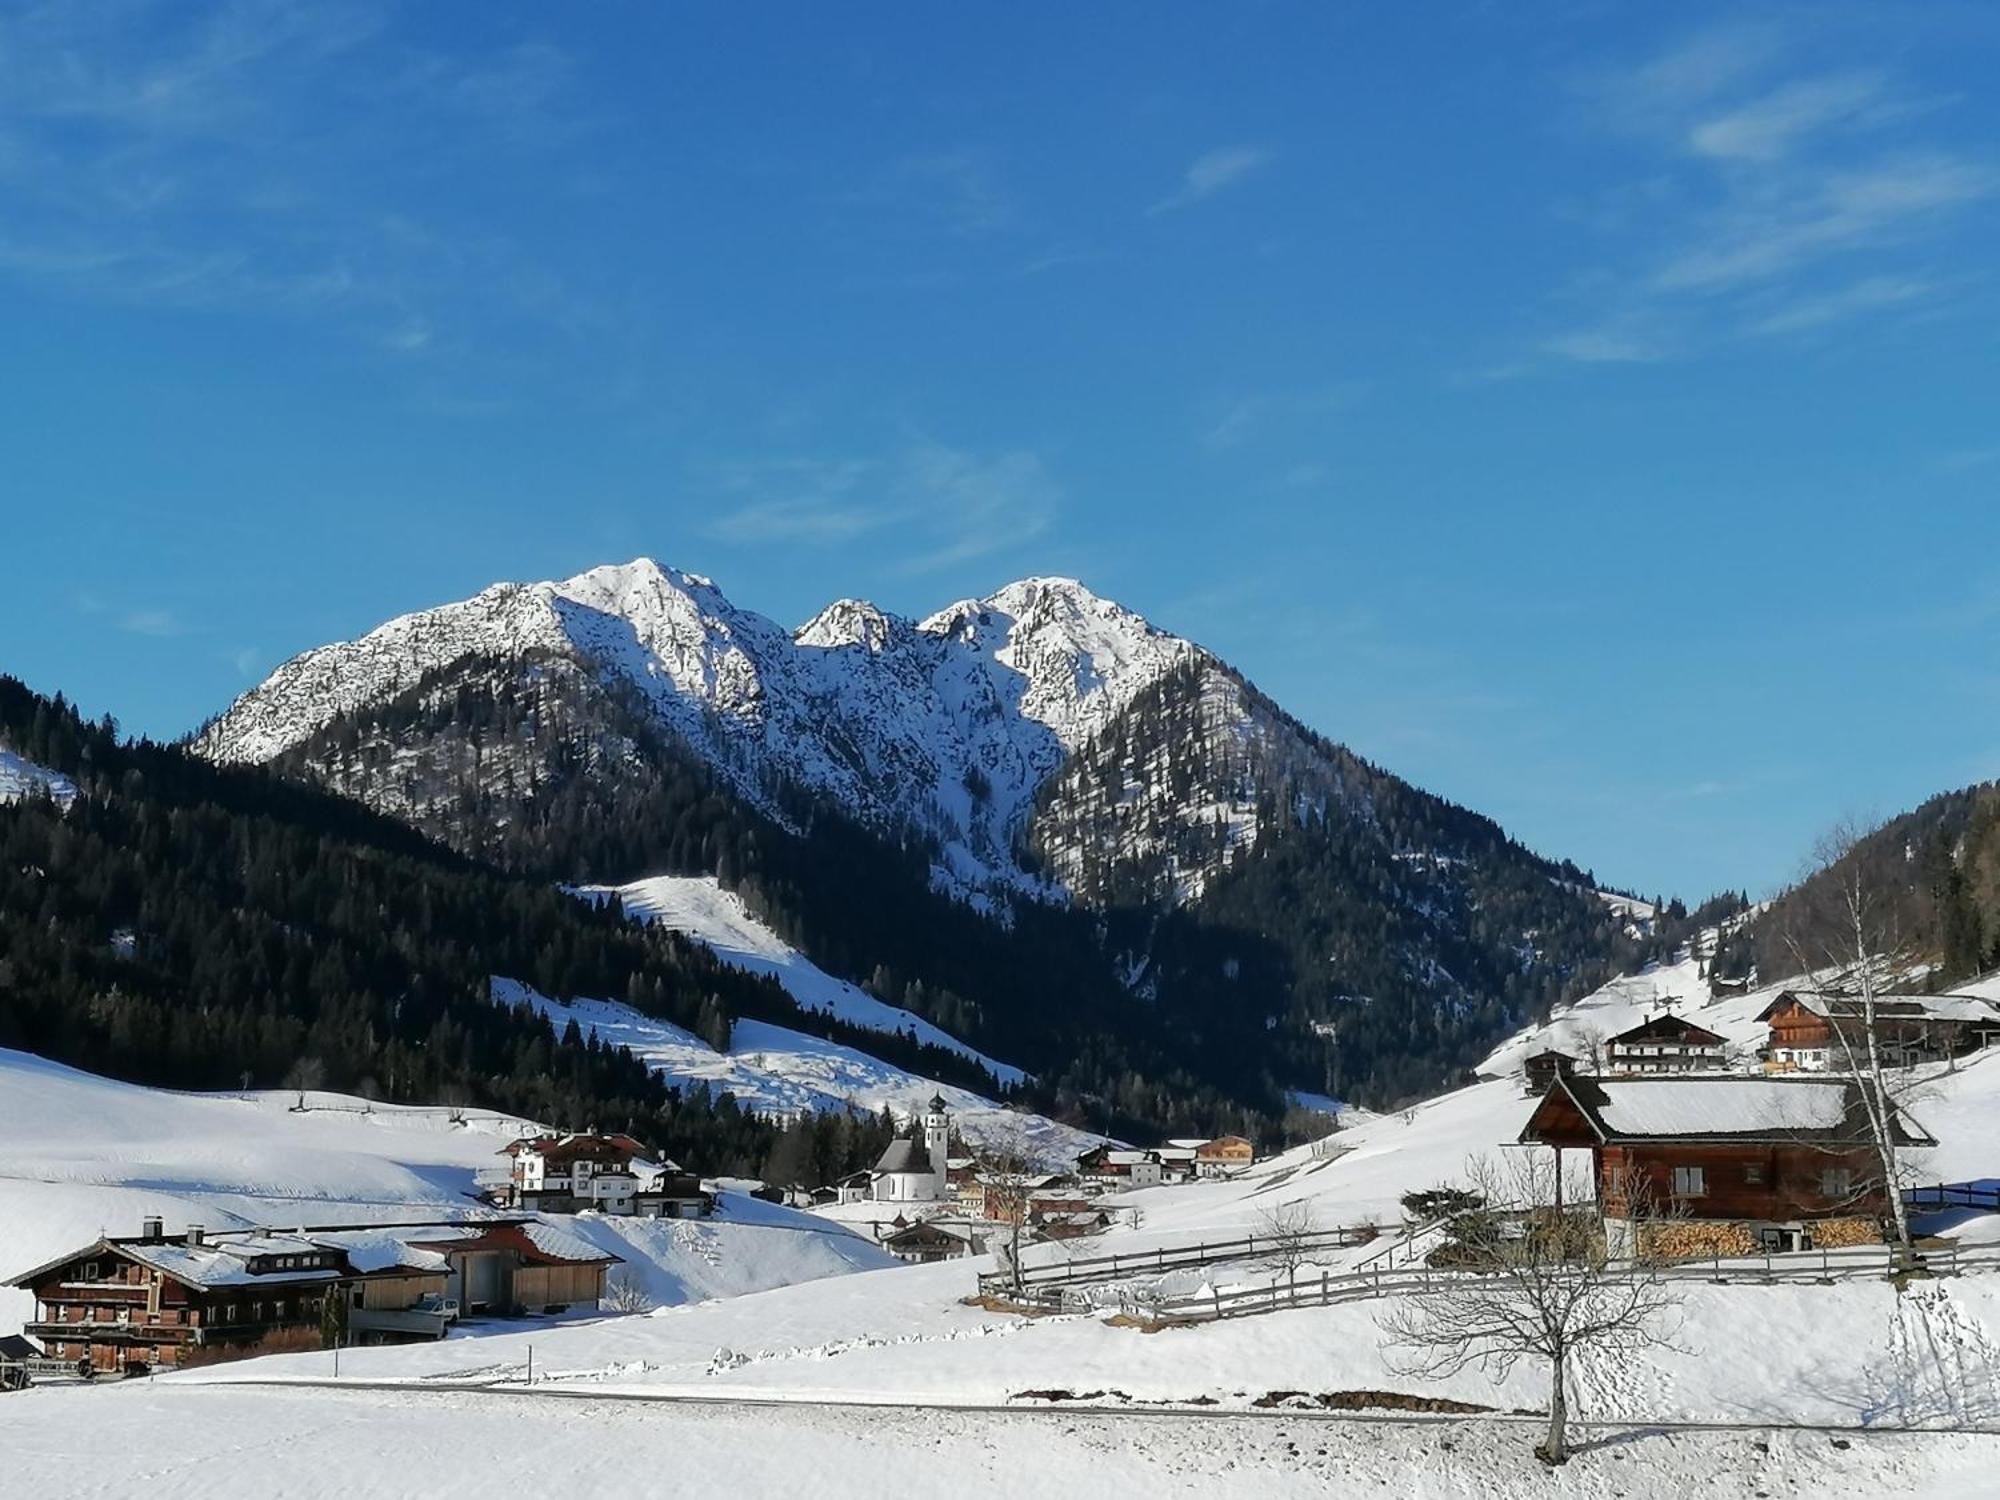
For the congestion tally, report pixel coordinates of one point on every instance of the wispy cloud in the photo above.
(1606, 345)
(1767, 128)
(1794, 223)
(1772, 199)
(1237, 418)
(936, 505)
(161, 624)
(958, 190)
(1211, 172)
(236, 157)
(1870, 294)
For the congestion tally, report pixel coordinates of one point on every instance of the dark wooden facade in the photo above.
(107, 1306)
(1724, 1159)
(1665, 1044)
(1544, 1068)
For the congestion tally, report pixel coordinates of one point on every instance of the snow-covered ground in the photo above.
(376, 1445)
(777, 1071)
(87, 1156)
(698, 907)
(20, 778)
(900, 1360)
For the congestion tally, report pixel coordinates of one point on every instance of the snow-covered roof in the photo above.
(382, 1250)
(905, 1155)
(203, 1265)
(1741, 1109)
(1946, 1008)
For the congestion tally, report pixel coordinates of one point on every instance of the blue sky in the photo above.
(1591, 412)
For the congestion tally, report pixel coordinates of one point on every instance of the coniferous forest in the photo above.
(194, 927)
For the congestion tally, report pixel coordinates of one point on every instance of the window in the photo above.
(1753, 1171)
(1836, 1182)
(1689, 1183)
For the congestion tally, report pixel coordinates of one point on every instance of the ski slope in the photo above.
(88, 1156)
(774, 1070)
(697, 907)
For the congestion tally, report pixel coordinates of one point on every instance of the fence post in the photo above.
(1216, 1292)
(1325, 1291)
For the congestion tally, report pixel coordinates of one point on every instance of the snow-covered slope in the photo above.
(88, 1156)
(23, 778)
(774, 1070)
(948, 726)
(698, 907)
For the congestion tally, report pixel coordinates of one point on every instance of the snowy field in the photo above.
(88, 1156)
(777, 1071)
(372, 1445)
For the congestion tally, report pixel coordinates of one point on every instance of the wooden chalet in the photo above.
(1544, 1068)
(1817, 1033)
(151, 1302)
(154, 1301)
(1224, 1155)
(1119, 1167)
(925, 1242)
(1667, 1043)
(1762, 1163)
(609, 1173)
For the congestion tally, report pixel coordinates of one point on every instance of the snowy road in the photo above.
(172, 1440)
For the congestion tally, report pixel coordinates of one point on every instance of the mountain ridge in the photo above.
(947, 725)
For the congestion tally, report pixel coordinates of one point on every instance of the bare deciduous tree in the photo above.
(1846, 936)
(1010, 1159)
(1545, 1290)
(1286, 1232)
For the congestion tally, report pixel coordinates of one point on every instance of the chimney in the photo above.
(194, 1234)
(150, 1229)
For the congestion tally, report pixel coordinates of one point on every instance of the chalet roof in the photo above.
(14, 1346)
(205, 1265)
(1190, 1143)
(576, 1146)
(905, 1155)
(1668, 1027)
(924, 1232)
(1939, 1008)
(1827, 1110)
(1225, 1147)
(361, 1250)
(537, 1243)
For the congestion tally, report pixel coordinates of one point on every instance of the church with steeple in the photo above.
(913, 1169)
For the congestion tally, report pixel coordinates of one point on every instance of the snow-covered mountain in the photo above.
(1260, 889)
(949, 726)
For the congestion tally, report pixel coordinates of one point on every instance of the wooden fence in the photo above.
(1053, 1276)
(1984, 1196)
(1800, 1267)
